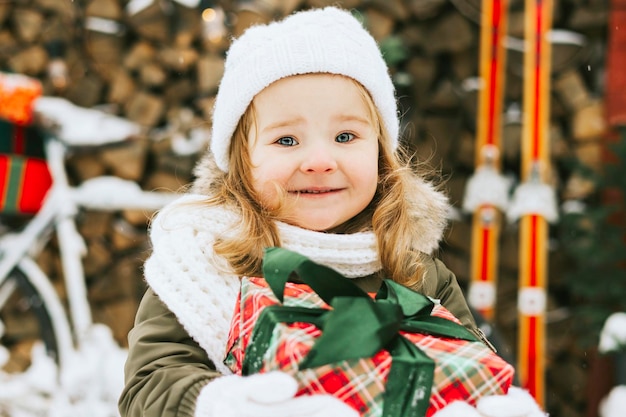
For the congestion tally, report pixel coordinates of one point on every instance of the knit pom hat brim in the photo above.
(328, 40)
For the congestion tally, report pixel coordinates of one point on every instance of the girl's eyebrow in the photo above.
(300, 120)
(283, 123)
(352, 118)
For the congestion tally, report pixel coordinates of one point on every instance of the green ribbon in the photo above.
(14, 184)
(356, 327)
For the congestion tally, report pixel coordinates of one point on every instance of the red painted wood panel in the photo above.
(616, 64)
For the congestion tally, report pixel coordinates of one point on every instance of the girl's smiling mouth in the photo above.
(315, 191)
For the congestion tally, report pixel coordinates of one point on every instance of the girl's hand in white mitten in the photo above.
(265, 395)
(516, 403)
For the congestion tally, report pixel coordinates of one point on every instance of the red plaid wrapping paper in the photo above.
(464, 370)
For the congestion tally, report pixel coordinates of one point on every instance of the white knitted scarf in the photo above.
(195, 284)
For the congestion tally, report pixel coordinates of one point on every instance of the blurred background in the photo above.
(158, 63)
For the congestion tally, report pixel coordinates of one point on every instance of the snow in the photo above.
(90, 384)
(613, 334)
(614, 404)
(82, 126)
(486, 187)
(533, 197)
(114, 193)
(613, 339)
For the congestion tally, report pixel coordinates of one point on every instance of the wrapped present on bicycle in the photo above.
(24, 175)
(394, 353)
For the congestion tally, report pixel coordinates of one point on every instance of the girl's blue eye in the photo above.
(344, 137)
(287, 141)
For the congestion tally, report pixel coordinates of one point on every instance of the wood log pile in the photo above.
(159, 63)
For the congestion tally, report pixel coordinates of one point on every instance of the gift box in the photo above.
(24, 175)
(396, 353)
(24, 183)
(16, 139)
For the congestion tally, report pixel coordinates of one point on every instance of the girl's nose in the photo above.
(319, 159)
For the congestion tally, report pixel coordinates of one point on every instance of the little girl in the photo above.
(304, 155)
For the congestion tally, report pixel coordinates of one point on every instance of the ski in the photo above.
(487, 192)
(534, 202)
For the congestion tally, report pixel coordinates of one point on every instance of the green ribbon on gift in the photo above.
(356, 327)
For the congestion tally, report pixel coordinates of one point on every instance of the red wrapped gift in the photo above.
(24, 183)
(24, 175)
(319, 333)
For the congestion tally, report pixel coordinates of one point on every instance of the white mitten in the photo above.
(265, 395)
(456, 409)
(516, 403)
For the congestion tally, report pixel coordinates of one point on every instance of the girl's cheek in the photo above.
(264, 188)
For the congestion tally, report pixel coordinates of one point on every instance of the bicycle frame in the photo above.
(58, 212)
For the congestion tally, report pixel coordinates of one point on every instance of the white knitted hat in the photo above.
(328, 40)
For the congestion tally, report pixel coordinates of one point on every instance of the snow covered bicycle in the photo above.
(66, 331)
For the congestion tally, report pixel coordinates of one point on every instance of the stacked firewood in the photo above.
(159, 62)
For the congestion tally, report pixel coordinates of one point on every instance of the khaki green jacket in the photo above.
(166, 368)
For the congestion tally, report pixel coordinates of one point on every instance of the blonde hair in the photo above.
(389, 215)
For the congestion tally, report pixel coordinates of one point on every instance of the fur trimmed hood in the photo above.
(430, 206)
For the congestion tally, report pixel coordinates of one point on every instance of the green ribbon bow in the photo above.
(356, 327)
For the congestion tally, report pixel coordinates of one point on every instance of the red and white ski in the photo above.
(534, 201)
(487, 191)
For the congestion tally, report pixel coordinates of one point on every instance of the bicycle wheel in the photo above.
(24, 316)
